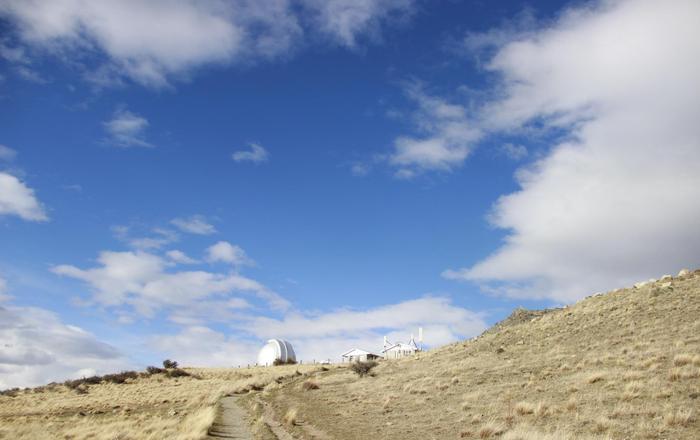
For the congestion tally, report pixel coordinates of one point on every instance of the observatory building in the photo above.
(276, 350)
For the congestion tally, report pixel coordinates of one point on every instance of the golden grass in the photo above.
(680, 417)
(290, 417)
(149, 408)
(594, 370)
(682, 359)
(491, 429)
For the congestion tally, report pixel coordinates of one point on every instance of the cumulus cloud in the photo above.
(188, 34)
(148, 283)
(16, 198)
(196, 224)
(447, 136)
(324, 335)
(615, 201)
(256, 154)
(422, 311)
(199, 345)
(180, 257)
(37, 348)
(226, 252)
(126, 130)
(319, 336)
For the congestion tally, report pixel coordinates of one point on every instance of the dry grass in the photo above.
(524, 408)
(682, 359)
(150, 407)
(491, 429)
(680, 417)
(291, 416)
(595, 370)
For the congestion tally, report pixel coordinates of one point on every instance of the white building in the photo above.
(399, 349)
(359, 355)
(276, 350)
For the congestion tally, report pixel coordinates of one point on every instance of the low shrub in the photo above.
(363, 368)
(155, 370)
(169, 364)
(11, 392)
(281, 362)
(119, 378)
(177, 372)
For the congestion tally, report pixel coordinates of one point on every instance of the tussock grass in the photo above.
(491, 429)
(680, 417)
(524, 408)
(291, 417)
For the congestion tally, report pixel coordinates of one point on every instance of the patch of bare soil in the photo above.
(230, 422)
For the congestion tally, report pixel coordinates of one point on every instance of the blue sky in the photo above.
(186, 180)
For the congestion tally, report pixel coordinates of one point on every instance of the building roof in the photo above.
(357, 352)
(401, 346)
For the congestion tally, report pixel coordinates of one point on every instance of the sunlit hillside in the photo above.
(620, 365)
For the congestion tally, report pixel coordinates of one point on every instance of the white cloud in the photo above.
(160, 237)
(447, 137)
(142, 280)
(256, 154)
(346, 20)
(7, 153)
(323, 336)
(126, 130)
(423, 311)
(18, 199)
(616, 201)
(198, 345)
(228, 253)
(188, 34)
(326, 335)
(37, 348)
(180, 257)
(196, 224)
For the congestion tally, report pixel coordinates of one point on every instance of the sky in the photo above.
(186, 180)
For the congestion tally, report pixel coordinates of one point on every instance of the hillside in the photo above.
(625, 364)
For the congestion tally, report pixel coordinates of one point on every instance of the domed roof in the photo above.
(276, 349)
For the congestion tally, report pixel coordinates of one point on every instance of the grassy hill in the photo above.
(621, 365)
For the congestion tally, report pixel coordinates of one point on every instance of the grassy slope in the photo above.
(621, 365)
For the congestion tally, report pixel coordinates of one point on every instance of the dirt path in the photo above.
(230, 422)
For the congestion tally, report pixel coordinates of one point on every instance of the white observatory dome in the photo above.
(276, 349)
